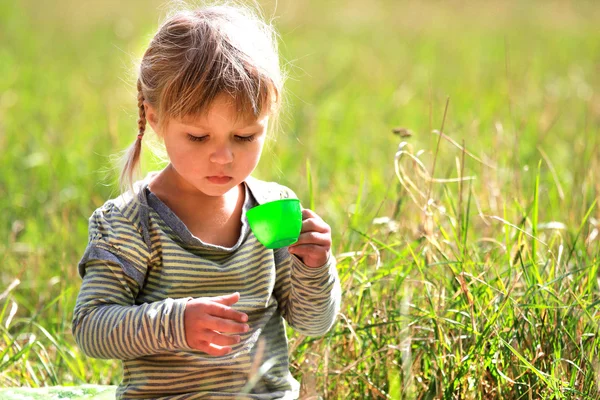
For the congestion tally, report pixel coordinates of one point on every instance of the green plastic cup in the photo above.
(277, 223)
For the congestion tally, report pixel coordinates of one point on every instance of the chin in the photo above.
(217, 190)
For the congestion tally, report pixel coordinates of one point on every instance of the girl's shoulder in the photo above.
(127, 204)
(128, 212)
(265, 191)
(118, 231)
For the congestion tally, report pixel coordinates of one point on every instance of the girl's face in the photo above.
(216, 152)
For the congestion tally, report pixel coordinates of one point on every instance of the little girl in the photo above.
(174, 282)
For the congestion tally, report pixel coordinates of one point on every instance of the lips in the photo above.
(219, 180)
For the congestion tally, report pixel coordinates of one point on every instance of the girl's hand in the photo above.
(314, 242)
(206, 319)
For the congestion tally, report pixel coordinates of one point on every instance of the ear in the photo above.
(151, 116)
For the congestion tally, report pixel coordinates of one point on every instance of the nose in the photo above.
(221, 155)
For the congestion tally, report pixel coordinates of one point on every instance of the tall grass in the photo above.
(468, 240)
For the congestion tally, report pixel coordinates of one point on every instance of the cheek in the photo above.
(172, 150)
(182, 155)
(254, 155)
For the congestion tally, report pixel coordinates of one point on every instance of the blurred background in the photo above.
(434, 289)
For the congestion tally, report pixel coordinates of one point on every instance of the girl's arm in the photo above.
(107, 323)
(309, 298)
(308, 288)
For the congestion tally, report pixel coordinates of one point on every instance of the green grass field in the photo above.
(479, 283)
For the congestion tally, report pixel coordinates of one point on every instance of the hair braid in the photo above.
(132, 157)
(142, 111)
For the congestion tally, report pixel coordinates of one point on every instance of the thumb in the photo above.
(228, 299)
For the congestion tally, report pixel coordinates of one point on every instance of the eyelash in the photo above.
(239, 138)
(196, 138)
(245, 138)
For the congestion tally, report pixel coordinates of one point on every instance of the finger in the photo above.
(223, 311)
(311, 255)
(210, 336)
(212, 349)
(315, 224)
(316, 238)
(307, 249)
(228, 300)
(308, 213)
(223, 325)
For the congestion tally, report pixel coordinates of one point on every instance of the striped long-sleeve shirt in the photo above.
(142, 265)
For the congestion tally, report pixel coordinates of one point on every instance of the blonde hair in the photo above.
(198, 54)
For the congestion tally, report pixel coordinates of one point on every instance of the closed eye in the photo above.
(249, 138)
(197, 138)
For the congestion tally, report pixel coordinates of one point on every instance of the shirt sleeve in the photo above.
(107, 322)
(113, 234)
(309, 298)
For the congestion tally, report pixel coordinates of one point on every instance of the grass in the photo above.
(480, 282)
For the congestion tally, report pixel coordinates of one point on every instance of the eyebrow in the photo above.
(252, 125)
